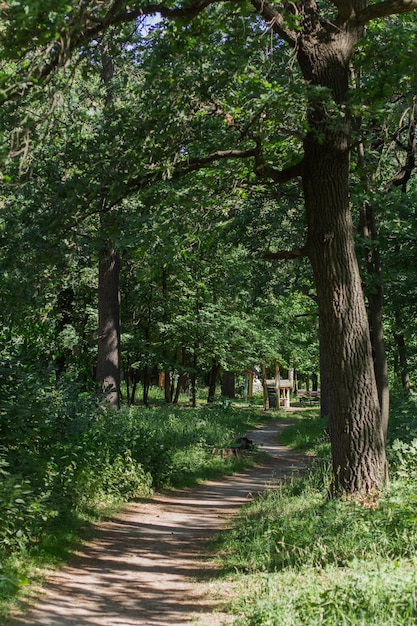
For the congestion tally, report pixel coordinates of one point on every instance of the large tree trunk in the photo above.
(357, 442)
(108, 358)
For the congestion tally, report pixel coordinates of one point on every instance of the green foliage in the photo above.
(295, 528)
(23, 514)
(174, 444)
(65, 455)
(381, 593)
(65, 459)
(403, 423)
(310, 560)
(307, 435)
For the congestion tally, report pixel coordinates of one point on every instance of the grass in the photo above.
(118, 457)
(292, 558)
(299, 559)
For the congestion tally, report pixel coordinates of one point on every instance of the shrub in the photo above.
(23, 514)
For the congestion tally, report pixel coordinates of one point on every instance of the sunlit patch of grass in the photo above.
(308, 434)
(301, 559)
(363, 594)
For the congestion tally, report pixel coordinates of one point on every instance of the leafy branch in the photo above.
(185, 167)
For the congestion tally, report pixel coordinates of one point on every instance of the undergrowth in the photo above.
(66, 462)
(301, 559)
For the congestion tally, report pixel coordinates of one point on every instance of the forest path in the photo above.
(147, 565)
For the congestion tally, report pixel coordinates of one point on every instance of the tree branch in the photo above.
(179, 170)
(93, 27)
(285, 254)
(279, 176)
(401, 178)
(187, 166)
(275, 20)
(384, 9)
(185, 12)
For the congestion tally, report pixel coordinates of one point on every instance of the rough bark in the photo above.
(108, 358)
(375, 299)
(355, 429)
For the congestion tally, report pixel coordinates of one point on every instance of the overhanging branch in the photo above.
(279, 176)
(384, 9)
(86, 27)
(183, 168)
(275, 20)
(285, 254)
(179, 170)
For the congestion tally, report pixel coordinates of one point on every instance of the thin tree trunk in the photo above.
(375, 296)
(145, 395)
(277, 385)
(127, 381)
(108, 358)
(214, 374)
(193, 379)
(133, 393)
(375, 314)
(264, 387)
(65, 308)
(182, 378)
(402, 355)
(167, 377)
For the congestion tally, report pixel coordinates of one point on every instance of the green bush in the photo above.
(64, 454)
(22, 513)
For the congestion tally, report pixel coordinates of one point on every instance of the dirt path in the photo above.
(147, 566)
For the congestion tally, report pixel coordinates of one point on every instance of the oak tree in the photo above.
(323, 38)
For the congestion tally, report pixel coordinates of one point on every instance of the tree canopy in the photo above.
(208, 150)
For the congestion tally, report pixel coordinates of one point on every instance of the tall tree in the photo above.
(323, 41)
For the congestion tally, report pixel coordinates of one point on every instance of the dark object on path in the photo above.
(241, 444)
(244, 443)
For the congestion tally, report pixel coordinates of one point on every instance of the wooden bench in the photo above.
(308, 397)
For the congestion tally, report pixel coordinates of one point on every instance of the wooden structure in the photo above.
(277, 391)
(308, 397)
(248, 376)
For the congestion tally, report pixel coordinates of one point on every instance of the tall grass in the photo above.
(307, 560)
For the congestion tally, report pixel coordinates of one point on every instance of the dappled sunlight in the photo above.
(147, 565)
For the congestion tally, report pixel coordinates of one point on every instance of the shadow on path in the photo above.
(147, 565)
